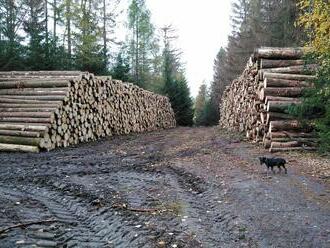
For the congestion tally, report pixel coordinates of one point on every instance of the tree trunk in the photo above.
(292, 125)
(29, 106)
(26, 120)
(275, 82)
(23, 127)
(290, 135)
(21, 133)
(280, 99)
(281, 106)
(35, 92)
(27, 114)
(27, 110)
(297, 77)
(271, 63)
(298, 69)
(55, 19)
(283, 92)
(20, 140)
(33, 84)
(290, 149)
(278, 53)
(277, 116)
(22, 101)
(18, 148)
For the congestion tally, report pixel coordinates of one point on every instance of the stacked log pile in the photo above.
(45, 110)
(257, 102)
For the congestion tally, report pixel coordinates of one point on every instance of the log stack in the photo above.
(257, 102)
(45, 110)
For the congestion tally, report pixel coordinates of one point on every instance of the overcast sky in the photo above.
(202, 27)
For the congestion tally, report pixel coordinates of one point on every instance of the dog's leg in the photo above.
(279, 169)
(286, 171)
(272, 167)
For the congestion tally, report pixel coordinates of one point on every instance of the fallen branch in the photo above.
(23, 225)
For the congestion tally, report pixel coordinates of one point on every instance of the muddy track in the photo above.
(87, 217)
(156, 190)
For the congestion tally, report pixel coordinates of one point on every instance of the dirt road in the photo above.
(184, 187)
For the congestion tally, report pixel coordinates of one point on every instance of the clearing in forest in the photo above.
(185, 187)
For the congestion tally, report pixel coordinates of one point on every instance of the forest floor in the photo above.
(185, 187)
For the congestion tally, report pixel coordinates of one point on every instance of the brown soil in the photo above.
(186, 187)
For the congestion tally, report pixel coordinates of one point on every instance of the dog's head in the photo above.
(262, 160)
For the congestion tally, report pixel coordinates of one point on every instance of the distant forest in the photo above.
(255, 23)
(79, 35)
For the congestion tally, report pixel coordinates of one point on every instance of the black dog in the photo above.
(272, 162)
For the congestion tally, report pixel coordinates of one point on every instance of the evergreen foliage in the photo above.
(181, 102)
(255, 23)
(315, 18)
(141, 42)
(200, 105)
(121, 69)
(175, 85)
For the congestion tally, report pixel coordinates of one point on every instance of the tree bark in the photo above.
(34, 84)
(27, 114)
(21, 133)
(275, 82)
(291, 135)
(18, 148)
(297, 77)
(298, 69)
(282, 92)
(280, 99)
(29, 106)
(277, 116)
(281, 106)
(278, 53)
(24, 127)
(288, 149)
(27, 110)
(292, 125)
(20, 140)
(26, 120)
(271, 63)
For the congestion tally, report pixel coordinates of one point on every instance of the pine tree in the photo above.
(88, 49)
(35, 27)
(11, 51)
(121, 69)
(200, 104)
(182, 103)
(220, 81)
(174, 83)
(141, 42)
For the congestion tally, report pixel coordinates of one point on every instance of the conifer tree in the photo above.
(88, 50)
(35, 27)
(11, 51)
(121, 69)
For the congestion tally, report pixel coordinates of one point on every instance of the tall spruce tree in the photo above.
(121, 69)
(200, 105)
(35, 27)
(87, 46)
(141, 41)
(174, 83)
(11, 51)
(218, 85)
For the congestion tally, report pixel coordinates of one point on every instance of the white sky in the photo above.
(202, 26)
